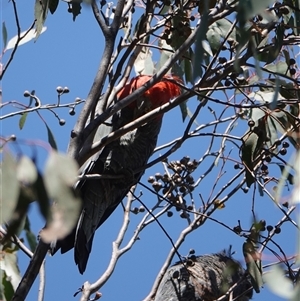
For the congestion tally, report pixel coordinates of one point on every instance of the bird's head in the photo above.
(159, 94)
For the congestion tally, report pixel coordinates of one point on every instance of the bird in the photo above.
(204, 278)
(120, 158)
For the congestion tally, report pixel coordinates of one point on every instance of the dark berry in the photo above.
(72, 112)
(277, 230)
(151, 179)
(283, 151)
(264, 167)
(227, 82)
(268, 159)
(62, 122)
(192, 252)
(59, 89)
(26, 93)
(285, 144)
(251, 123)
(169, 213)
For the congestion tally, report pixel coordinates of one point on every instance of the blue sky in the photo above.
(68, 54)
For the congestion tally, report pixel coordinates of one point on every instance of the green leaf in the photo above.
(296, 296)
(51, 138)
(247, 152)
(26, 171)
(271, 131)
(252, 144)
(280, 67)
(251, 8)
(202, 6)
(40, 14)
(31, 238)
(22, 120)
(42, 197)
(8, 289)
(9, 264)
(253, 262)
(272, 52)
(17, 221)
(214, 37)
(25, 36)
(60, 177)
(4, 35)
(218, 31)
(199, 49)
(165, 53)
(143, 64)
(9, 188)
(188, 70)
(296, 191)
(296, 27)
(53, 6)
(165, 9)
(183, 109)
(182, 23)
(286, 175)
(269, 98)
(278, 283)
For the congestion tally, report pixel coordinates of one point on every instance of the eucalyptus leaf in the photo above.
(9, 188)
(199, 49)
(9, 264)
(8, 290)
(271, 132)
(256, 114)
(253, 263)
(251, 8)
(266, 97)
(296, 191)
(247, 152)
(188, 70)
(296, 27)
(296, 296)
(184, 110)
(4, 34)
(51, 138)
(31, 238)
(26, 171)
(285, 174)
(165, 54)
(40, 14)
(60, 177)
(22, 120)
(278, 283)
(53, 4)
(25, 36)
(42, 196)
(278, 67)
(143, 65)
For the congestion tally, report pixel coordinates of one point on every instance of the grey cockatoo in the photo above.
(122, 157)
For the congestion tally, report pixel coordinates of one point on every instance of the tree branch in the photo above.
(31, 272)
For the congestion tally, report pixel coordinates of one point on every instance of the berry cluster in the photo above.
(175, 185)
